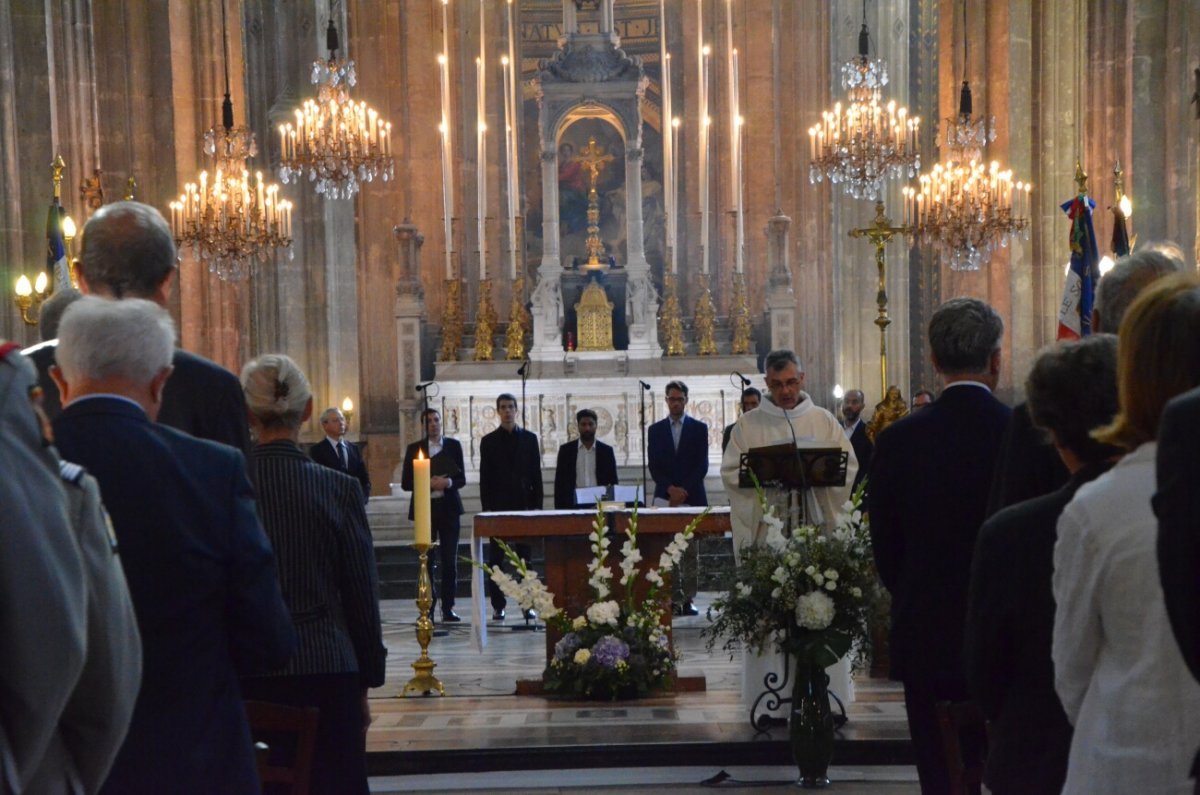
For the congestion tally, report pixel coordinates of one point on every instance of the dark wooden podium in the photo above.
(568, 552)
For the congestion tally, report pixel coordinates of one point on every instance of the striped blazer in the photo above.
(317, 524)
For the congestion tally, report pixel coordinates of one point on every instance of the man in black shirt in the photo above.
(510, 479)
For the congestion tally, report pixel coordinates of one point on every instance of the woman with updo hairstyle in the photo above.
(317, 524)
(1121, 677)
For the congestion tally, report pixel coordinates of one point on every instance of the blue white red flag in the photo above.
(1079, 293)
(56, 247)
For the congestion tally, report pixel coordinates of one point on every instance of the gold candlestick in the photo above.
(670, 324)
(485, 322)
(424, 682)
(741, 316)
(514, 339)
(452, 321)
(705, 320)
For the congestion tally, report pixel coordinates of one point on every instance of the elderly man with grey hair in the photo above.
(127, 251)
(200, 569)
(929, 485)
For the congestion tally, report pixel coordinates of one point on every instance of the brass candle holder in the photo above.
(424, 682)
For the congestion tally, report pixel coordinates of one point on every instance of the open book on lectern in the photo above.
(788, 466)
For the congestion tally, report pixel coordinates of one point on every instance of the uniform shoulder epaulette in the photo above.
(71, 473)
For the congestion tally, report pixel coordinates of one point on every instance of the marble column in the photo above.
(547, 295)
(410, 312)
(641, 298)
(781, 300)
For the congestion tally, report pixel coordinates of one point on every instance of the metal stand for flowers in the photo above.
(772, 698)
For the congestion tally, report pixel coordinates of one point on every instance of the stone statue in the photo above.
(887, 411)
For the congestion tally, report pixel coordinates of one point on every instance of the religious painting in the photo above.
(637, 22)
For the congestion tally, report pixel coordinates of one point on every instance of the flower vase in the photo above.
(810, 728)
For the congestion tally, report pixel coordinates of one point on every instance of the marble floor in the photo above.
(481, 736)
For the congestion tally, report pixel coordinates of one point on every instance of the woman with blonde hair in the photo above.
(1121, 677)
(315, 519)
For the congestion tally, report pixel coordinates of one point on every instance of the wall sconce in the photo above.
(31, 295)
(348, 410)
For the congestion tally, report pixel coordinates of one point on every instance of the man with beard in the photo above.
(856, 432)
(583, 463)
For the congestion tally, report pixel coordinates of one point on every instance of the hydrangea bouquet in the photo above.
(618, 647)
(810, 595)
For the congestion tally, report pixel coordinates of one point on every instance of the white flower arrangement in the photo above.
(617, 647)
(810, 596)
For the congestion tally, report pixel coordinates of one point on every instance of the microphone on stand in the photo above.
(424, 386)
(643, 384)
(745, 381)
(524, 368)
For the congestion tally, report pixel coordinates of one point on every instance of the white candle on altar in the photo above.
(705, 123)
(447, 150)
(508, 164)
(481, 144)
(514, 178)
(422, 503)
(669, 144)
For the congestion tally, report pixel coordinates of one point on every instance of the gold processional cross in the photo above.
(880, 233)
(594, 159)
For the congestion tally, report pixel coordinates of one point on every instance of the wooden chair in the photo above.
(284, 739)
(964, 742)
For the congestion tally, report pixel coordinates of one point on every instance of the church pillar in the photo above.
(409, 310)
(642, 314)
(547, 296)
(781, 300)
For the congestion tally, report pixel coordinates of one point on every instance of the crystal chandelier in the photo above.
(230, 220)
(861, 145)
(338, 144)
(963, 209)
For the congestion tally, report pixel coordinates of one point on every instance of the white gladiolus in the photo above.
(815, 610)
(604, 613)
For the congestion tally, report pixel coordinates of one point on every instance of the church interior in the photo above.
(577, 202)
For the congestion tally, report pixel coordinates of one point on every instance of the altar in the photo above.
(568, 553)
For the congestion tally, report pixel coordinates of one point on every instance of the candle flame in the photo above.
(420, 455)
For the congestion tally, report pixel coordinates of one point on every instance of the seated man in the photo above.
(583, 463)
(200, 569)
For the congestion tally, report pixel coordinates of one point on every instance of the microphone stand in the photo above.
(642, 400)
(524, 373)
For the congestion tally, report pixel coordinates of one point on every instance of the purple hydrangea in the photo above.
(566, 647)
(610, 650)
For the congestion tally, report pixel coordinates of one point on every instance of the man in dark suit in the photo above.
(510, 479)
(1071, 390)
(856, 432)
(336, 453)
(677, 449)
(447, 476)
(127, 251)
(751, 398)
(199, 566)
(42, 354)
(583, 463)
(929, 484)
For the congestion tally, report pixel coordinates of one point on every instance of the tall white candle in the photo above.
(508, 165)
(481, 143)
(705, 121)
(422, 503)
(446, 141)
(511, 122)
(738, 177)
(669, 143)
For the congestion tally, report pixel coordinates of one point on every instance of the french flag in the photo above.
(1079, 293)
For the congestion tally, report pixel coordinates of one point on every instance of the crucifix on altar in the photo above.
(594, 159)
(880, 233)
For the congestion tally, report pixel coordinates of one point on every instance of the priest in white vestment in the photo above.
(786, 404)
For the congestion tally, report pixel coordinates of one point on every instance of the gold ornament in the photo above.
(452, 322)
(705, 320)
(485, 322)
(741, 316)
